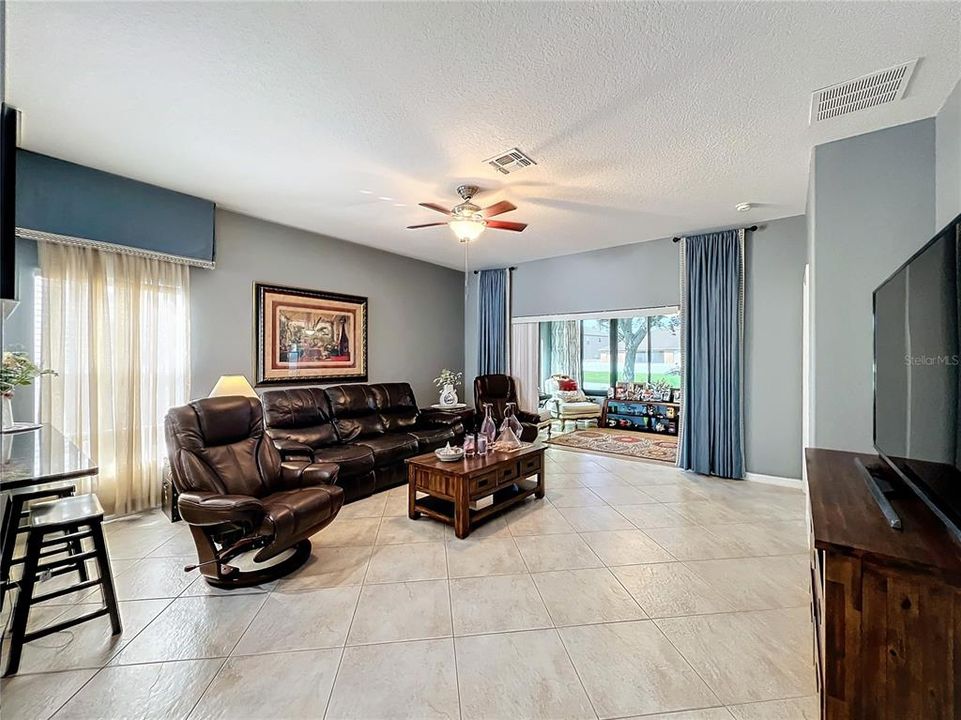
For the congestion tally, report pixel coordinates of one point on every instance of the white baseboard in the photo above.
(773, 480)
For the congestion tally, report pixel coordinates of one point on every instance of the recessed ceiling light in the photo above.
(366, 192)
(384, 197)
(743, 207)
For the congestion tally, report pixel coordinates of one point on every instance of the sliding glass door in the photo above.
(601, 351)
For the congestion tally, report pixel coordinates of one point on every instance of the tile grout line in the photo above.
(106, 664)
(213, 677)
(689, 664)
(360, 592)
(556, 632)
(453, 638)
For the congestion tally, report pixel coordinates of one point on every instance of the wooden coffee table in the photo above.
(451, 487)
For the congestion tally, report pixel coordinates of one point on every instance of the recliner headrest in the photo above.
(230, 419)
(493, 385)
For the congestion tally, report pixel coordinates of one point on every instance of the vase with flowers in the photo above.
(16, 370)
(447, 381)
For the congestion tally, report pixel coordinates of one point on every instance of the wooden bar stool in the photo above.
(77, 517)
(14, 513)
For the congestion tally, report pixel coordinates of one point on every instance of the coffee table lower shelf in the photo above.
(443, 509)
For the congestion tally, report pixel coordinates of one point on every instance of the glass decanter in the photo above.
(488, 429)
(511, 416)
(508, 440)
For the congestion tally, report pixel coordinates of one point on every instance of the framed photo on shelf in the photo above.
(309, 336)
(676, 395)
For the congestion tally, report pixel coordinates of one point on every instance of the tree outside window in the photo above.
(603, 351)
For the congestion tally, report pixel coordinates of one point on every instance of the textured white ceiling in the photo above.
(647, 119)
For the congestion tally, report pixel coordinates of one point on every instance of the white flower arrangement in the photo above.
(448, 377)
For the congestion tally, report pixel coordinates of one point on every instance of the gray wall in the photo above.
(619, 278)
(647, 275)
(772, 347)
(873, 206)
(947, 155)
(583, 282)
(416, 310)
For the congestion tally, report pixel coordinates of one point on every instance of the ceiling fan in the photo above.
(467, 220)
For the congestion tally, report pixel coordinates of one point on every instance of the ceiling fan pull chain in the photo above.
(466, 268)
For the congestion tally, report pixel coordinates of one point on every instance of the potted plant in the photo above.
(446, 381)
(16, 370)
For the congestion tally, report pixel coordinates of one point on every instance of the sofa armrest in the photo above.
(438, 418)
(303, 473)
(290, 449)
(207, 508)
(526, 417)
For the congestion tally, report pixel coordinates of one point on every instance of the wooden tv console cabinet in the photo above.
(886, 603)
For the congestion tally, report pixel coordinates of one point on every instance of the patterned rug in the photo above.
(619, 442)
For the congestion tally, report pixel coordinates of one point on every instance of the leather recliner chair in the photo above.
(498, 390)
(238, 496)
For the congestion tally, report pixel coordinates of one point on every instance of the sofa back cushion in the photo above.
(396, 405)
(355, 413)
(300, 414)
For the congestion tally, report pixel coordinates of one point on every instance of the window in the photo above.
(116, 329)
(601, 351)
(595, 355)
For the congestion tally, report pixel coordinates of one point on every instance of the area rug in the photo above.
(619, 442)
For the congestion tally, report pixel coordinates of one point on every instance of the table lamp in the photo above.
(233, 385)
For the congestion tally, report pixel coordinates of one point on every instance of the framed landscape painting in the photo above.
(307, 336)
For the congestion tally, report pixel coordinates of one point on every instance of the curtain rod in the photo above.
(512, 269)
(752, 228)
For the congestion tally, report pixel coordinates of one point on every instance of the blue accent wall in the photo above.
(61, 197)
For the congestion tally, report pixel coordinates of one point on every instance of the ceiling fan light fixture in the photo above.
(467, 228)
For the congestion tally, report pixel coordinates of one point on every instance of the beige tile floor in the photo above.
(632, 590)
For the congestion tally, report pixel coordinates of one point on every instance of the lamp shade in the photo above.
(232, 385)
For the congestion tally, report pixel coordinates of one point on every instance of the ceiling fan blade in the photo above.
(435, 206)
(498, 209)
(501, 225)
(414, 227)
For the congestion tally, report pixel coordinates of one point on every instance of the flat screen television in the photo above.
(917, 374)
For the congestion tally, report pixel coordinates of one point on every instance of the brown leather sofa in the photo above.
(498, 390)
(238, 495)
(368, 431)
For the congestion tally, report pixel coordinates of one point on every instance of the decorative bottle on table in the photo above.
(508, 439)
(511, 417)
(488, 429)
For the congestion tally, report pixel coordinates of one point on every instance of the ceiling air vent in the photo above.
(867, 91)
(510, 161)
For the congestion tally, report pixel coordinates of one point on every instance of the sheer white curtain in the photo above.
(566, 348)
(116, 329)
(525, 362)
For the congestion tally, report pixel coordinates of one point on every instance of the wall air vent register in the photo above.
(510, 161)
(861, 93)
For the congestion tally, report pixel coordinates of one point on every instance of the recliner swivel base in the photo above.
(265, 572)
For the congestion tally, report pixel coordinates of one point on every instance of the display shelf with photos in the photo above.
(660, 417)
